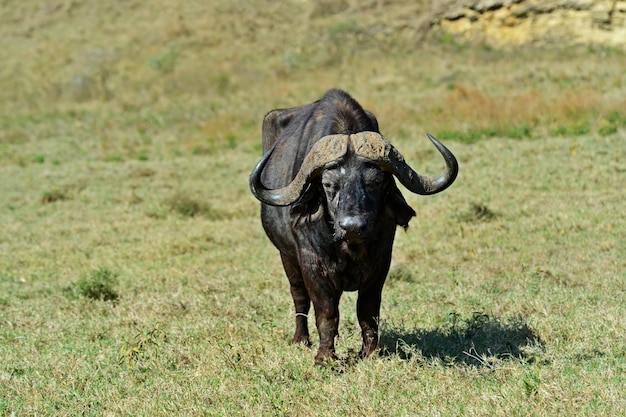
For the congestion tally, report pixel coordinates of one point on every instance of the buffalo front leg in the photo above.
(368, 313)
(301, 300)
(327, 323)
(326, 304)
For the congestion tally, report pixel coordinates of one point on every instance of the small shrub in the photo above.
(142, 155)
(520, 132)
(53, 195)
(478, 212)
(606, 128)
(223, 84)
(203, 150)
(617, 119)
(187, 206)
(581, 128)
(166, 62)
(611, 123)
(577, 129)
(400, 273)
(190, 207)
(342, 29)
(99, 285)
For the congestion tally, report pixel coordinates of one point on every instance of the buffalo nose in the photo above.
(352, 224)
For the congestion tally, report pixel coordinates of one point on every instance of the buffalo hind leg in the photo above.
(301, 300)
(368, 313)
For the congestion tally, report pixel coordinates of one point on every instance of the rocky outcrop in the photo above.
(503, 23)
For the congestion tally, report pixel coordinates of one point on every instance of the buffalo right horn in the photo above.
(327, 149)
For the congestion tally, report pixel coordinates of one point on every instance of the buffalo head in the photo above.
(353, 171)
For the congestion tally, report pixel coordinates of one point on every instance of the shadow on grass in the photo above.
(479, 341)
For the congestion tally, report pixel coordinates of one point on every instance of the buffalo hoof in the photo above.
(365, 353)
(301, 340)
(325, 357)
(367, 349)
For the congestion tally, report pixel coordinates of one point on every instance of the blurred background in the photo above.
(463, 70)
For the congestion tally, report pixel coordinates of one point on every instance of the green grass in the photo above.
(136, 278)
(99, 284)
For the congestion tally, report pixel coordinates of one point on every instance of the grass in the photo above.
(137, 279)
(99, 285)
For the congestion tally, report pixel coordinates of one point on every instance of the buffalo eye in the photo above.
(331, 181)
(330, 187)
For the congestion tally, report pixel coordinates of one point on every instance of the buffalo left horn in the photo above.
(372, 146)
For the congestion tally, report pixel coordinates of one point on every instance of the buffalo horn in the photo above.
(368, 145)
(372, 146)
(327, 149)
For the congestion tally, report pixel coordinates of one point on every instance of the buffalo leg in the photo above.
(368, 313)
(327, 323)
(301, 300)
(326, 304)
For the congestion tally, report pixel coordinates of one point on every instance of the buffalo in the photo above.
(330, 205)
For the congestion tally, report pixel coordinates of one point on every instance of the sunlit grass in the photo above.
(136, 278)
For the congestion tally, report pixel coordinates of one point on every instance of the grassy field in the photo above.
(135, 277)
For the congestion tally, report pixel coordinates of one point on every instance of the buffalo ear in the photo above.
(396, 206)
(309, 206)
(274, 123)
(372, 118)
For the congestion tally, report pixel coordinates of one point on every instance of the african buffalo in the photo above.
(331, 206)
